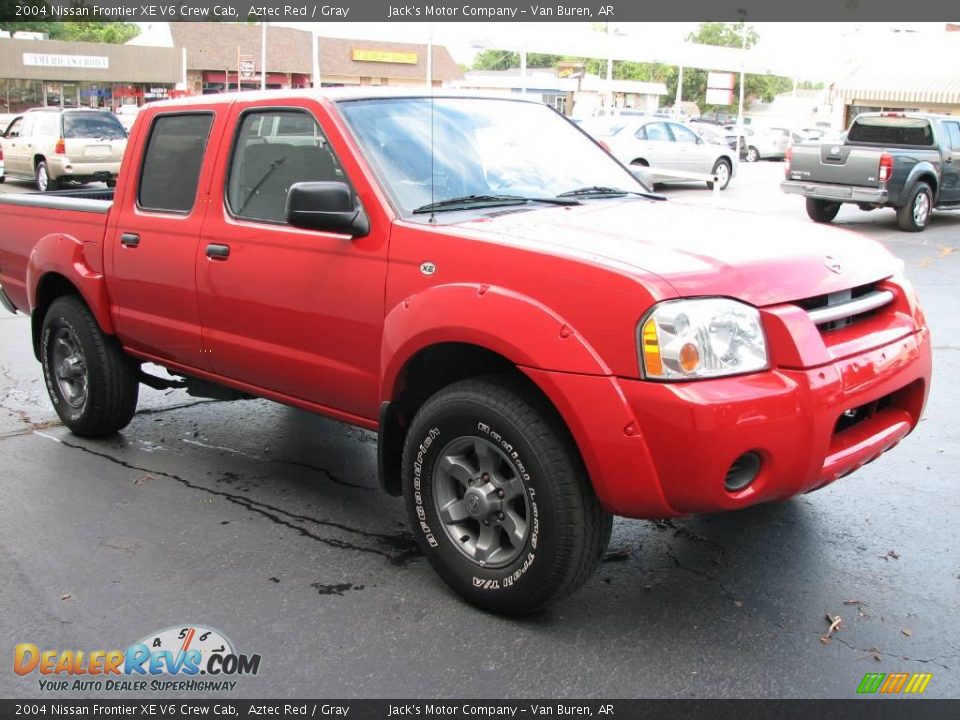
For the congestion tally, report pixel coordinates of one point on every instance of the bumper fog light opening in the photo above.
(743, 471)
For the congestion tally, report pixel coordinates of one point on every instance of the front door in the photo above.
(297, 312)
(153, 246)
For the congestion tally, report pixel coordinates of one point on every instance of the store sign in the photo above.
(67, 61)
(247, 67)
(384, 56)
(720, 80)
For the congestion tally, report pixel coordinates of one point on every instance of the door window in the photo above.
(683, 135)
(655, 131)
(273, 150)
(953, 130)
(172, 161)
(47, 124)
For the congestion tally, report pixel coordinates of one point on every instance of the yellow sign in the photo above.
(385, 56)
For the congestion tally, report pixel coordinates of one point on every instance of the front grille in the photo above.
(841, 309)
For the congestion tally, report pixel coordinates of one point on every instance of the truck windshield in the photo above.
(891, 130)
(99, 125)
(430, 151)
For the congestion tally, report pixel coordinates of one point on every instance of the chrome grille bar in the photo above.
(858, 306)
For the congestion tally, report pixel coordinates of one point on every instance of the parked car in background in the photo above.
(126, 114)
(50, 146)
(757, 144)
(716, 134)
(671, 150)
(907, 161)
(4, 127)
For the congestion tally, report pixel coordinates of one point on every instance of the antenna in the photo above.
(433, 218)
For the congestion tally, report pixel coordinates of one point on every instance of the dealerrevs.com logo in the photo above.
(184, 658)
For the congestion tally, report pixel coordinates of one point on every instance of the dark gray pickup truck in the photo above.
(907, 161)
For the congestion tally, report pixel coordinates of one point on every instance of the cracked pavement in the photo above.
(265, 522)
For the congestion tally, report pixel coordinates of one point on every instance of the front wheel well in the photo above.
(51, 286)
(427, 372)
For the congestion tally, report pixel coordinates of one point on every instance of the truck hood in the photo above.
(697, 250)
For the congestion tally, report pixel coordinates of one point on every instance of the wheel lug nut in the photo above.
(485, 477)
(486, 522)
(500, 493)
(499, 516)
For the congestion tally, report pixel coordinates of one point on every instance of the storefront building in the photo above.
(222, 56)
(37, 73)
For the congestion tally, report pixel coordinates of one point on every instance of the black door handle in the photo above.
(219, 252)
(130, 240)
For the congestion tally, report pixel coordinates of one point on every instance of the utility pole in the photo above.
(316, 59)
(743, 63)
(263, 56)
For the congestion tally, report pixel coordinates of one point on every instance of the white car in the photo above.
(672, 151)
(126, 114)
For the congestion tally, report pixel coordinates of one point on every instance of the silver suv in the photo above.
(50, 146)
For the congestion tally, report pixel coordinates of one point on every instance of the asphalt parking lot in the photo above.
(265, 522)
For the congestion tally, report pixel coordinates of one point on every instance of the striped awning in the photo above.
(920, 88)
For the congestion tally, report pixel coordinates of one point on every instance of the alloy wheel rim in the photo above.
(69, 367)
(42, 177)
(481, 502)
(722, 175)
(921, 208)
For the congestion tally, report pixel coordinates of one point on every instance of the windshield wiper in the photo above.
(469, 201)
(604, 191)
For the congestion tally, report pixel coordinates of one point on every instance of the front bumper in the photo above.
(662, 449)
(837, 193)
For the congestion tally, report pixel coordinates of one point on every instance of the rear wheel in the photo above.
(499, 499)
(752, 154)
(45, 183)
(915, 214)
(722, 170)
(822, 211)
(93, 385)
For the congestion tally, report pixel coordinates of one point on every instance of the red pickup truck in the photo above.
(540, 343)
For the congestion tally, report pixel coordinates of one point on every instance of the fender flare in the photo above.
(516, 326)
(65, 255)
(922, 168)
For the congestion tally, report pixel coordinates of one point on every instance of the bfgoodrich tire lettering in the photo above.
(543, 484)
(92, 384)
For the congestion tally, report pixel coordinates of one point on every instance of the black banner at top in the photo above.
(470, 11)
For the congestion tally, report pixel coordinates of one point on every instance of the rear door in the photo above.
(950, 180)
(658, 146)
(153, 247)
(692, 156)
(297, 312)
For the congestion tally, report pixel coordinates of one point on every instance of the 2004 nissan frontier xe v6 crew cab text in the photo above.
(540, 342)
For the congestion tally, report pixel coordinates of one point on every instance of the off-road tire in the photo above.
(111, 377)
(568, 530)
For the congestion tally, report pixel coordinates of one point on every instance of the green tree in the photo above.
(504, 60)
(110, 32)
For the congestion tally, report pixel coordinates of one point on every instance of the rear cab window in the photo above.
(171, 163)
(891, 130)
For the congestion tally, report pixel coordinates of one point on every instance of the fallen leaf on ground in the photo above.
(907, 631)
(65, 596)
(835, 624)
(891, 554)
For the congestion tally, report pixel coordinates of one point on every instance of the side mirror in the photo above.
(326, 206)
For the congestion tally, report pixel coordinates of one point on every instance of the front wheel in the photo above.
(93, 385)
(498, 497)
(915, 214)
(722, 171)
(822, 211)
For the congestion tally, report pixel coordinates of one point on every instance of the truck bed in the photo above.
(78, 216)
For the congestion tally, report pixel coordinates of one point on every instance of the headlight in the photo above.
(701, 338)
